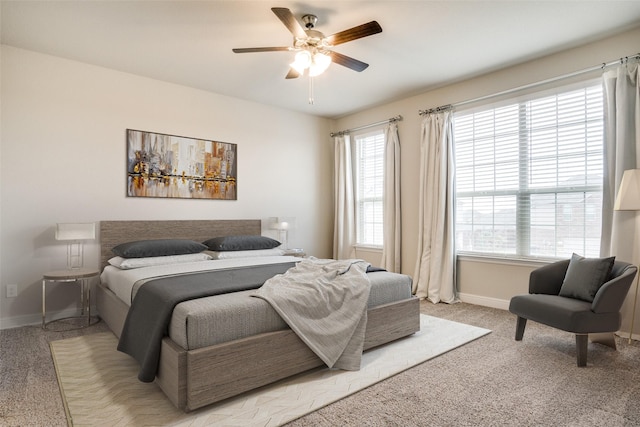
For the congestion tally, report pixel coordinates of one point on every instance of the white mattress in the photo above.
(124, 283)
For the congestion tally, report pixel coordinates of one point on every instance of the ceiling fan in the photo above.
(314, 49)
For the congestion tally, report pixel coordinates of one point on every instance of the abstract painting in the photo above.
(170, 166)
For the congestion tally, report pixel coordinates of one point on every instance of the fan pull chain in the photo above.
(311, 96)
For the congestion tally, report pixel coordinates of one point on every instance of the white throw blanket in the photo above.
(325, 303)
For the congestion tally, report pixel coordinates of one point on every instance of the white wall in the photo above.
(63, 160)
(481, 282)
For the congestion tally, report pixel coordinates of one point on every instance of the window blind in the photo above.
(369, 187)
(529, 176)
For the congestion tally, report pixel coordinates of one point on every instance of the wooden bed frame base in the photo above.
(196, 378)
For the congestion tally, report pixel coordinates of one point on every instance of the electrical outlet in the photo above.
(12, 291)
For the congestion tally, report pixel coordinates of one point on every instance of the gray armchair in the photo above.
(599, 318)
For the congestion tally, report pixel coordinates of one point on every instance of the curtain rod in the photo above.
(344, 132)
(531, 85)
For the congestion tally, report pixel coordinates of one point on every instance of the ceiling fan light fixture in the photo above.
(319, 64)
(316, 62)
(302, 61)
(314, 50)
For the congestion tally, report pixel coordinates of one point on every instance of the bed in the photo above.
(194, 371)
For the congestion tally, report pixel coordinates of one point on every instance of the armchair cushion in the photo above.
(585, 276)
(568, 314)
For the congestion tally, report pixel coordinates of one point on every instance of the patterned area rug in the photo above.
(99, 385)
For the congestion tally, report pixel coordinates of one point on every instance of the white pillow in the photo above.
(128, 263)
(244, 254)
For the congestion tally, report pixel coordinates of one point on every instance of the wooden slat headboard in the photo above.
(113, 233)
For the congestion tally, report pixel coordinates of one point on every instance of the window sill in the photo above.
(505, 260)
(369, 248)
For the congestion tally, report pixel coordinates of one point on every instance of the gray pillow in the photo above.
(241, 243)
(159, 247)
(585, 276)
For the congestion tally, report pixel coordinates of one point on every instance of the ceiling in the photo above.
(423, 45)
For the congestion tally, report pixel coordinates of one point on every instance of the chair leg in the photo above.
(582, 340)
(520, 325)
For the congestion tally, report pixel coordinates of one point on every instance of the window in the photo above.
(529, 176)
(369, 176)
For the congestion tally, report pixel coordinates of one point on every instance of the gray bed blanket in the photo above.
(325, 303)
(150, 312)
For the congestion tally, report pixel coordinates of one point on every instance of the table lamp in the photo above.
(628, 199)
(75, 233)
(283, 225)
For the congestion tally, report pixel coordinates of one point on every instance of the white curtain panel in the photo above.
(392, 231)
(434, 276)
(622, 147)
(344, 221)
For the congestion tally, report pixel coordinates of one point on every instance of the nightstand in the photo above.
(295, 252)
(79, 275)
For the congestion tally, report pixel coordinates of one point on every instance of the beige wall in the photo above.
(479, 281)
(63, 160)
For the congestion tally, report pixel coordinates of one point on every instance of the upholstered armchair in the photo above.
(582, 296)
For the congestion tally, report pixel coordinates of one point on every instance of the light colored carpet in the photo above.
(99, 385)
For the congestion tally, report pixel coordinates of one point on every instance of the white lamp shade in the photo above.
(76, 231)
(282, 223)
(319, 64)
(302, 61)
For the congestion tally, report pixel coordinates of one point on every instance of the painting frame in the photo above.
(177, 167)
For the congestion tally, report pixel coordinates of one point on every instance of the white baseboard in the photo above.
(484, 301)
(36, 319)
(17, 321)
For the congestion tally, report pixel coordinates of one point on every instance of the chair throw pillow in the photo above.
(585, 276)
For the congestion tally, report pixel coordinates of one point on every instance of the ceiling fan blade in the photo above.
(292, 74)
(289, 21)
(347, 61)
(354, 33)
(260, 49)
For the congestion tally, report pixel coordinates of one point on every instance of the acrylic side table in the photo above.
(78, 275)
